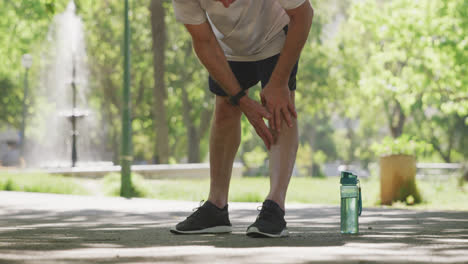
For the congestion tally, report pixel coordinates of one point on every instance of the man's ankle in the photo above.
(218, 203)
(280, 202)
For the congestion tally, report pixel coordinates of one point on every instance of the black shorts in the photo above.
(249, 73)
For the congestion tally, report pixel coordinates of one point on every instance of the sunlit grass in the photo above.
(442, 194)
(40, 182)
(437, 194)
(301, 190)
(446, 194)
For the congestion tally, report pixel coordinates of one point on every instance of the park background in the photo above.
(375, 78)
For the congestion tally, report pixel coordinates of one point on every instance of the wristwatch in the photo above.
(234, 100)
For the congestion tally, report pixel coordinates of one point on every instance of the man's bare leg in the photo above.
(224, 141)
(282, 158)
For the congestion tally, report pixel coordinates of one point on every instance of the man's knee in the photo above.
(225, 112)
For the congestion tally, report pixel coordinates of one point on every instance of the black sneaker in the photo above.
(207, 219)
(270, 222)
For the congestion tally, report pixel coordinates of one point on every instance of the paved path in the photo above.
(46, 228)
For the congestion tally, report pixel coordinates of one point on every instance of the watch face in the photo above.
(233, 101)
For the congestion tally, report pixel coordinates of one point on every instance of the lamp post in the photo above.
(126, 155)
(74, 116)
(26, 61)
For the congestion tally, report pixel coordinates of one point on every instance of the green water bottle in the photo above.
(351, 203)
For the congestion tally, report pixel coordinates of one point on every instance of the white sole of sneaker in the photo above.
(254, 232)
(210, 230)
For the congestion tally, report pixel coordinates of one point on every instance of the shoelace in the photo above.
(264, 214)
(196, 210)
(200, 205)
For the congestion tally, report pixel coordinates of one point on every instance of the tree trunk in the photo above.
(158, 29)
(194, 134)
(352, 143)
(206, 116)
(312, 134)
(397, 121)
(193, 140)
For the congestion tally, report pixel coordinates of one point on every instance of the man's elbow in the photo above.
(304, 14)
(309, 14)
(200, 34)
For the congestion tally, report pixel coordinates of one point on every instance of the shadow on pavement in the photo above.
(39, 230)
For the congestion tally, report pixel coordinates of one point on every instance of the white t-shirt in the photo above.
(249, 30)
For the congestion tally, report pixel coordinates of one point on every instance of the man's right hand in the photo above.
(255, 113)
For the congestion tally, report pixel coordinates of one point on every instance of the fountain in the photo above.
(73, 116)
(64, 113)
(65, 125)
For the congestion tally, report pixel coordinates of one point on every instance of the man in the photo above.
(242, 43)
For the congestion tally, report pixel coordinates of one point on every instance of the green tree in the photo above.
(406, 56)
(23, 25)
(167, 80)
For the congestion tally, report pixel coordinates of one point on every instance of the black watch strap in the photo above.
(234, 100)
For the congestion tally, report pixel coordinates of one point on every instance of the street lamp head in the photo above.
(27, 61)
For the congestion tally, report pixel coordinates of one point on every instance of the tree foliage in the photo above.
(407, 62)
(370, 69)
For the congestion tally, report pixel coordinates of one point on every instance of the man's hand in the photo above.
(211, 55)
(255, 113)
(276, 98)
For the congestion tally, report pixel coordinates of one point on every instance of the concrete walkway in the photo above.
(46, 228)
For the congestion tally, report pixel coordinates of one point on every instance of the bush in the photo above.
(403, 145)
(410, 194)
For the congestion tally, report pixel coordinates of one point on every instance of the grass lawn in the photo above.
(301, 190)
(40, 182)
(440, 195)
(445, 195)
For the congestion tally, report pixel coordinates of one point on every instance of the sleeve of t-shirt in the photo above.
(291, 4)
(189, 12)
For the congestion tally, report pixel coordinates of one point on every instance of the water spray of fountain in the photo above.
(66, 126)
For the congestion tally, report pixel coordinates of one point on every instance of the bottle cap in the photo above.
(348, 178)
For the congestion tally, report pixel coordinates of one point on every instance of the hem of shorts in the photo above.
(256, 57)
(219, 93)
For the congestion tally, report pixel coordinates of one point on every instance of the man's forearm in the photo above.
(212, 56)
(298, 31)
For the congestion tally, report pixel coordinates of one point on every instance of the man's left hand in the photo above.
(277, 99)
